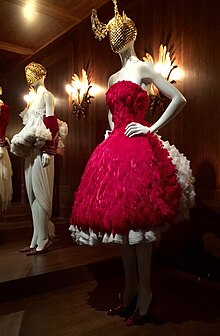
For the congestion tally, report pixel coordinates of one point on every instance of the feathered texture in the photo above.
(63, 132)
(185, 179)
(130, 189)
(33, 135)
(128, 102)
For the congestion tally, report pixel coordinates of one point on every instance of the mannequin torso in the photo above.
(48, 102)
(141, 73)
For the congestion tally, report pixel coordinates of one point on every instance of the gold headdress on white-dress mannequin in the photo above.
(121, 29)
(34, 72)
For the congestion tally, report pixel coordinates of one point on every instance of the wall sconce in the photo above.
(165, 66)
(79, 96)
(29, 97)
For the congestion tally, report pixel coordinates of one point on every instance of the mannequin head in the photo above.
(35, 73)
(121, 29)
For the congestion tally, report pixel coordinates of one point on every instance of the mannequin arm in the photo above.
(49, 103)
(170, 91)
(111, 123)
(46, 158)
(51, 122)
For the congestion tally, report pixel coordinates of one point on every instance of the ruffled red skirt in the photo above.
(128, 184)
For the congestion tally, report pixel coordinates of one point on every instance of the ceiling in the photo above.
(23, 32)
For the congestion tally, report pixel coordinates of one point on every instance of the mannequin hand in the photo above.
(46, 158)
(1, 153)
(134, 128)
(107, 133)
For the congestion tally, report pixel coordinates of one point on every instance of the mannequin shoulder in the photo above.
(48, 96)
(113, 78)
(146, 69)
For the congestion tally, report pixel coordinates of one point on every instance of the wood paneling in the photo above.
(191, 28)
(23, 35)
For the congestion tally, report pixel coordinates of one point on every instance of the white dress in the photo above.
(39, 180)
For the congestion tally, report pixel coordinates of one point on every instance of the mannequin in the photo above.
(37, 143)
(5, 163)
(139, 255)
(130, 191)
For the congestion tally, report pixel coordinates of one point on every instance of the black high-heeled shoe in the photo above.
(123, 311)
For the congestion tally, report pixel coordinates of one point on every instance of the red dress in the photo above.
(5, 163)
(4, 121)
(129, 184)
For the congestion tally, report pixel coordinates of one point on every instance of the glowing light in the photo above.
(29, 10)
(30, 97)
(79, 94)
(96, 89)
(166, 67)
(177, 74)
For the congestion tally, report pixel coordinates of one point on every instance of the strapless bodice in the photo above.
(127, 102)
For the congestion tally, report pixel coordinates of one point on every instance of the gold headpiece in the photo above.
(121, 29)
(34, 72)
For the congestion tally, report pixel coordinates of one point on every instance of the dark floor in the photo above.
(68, 290)
(182, 307)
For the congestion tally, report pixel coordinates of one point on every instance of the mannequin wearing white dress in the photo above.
(37, 143)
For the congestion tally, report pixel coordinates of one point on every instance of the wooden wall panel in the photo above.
(192, 29)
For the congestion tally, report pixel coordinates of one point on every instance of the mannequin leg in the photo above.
(35, 230)
(40, 221)
(144, 252)
(29, 161)
(129, 258)
(39, 185)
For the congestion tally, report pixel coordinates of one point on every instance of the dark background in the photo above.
(192, 30)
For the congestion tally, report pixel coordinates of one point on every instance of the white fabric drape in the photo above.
(39, 185)
(5, 180)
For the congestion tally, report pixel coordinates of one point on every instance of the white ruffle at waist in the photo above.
(33, 135)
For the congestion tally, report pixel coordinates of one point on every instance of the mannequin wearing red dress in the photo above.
(132, 188)
(5, 164)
